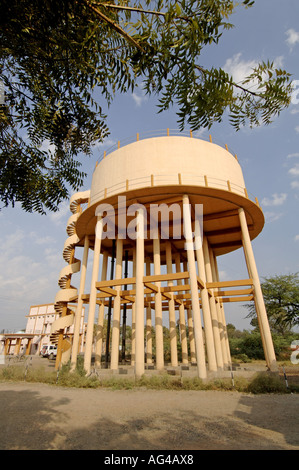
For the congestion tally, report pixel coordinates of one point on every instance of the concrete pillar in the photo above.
(100, 325)
(149, 341)
(139, 351)
(221, 317)
(28, 347)
(182, 321)
(60, 342)
(172, 325)
(78, 314)
(133, 344)
(258, 295)
(93, 295)
(7, 346)
(116, 307)
(200, 352)
(191, 335)
(18, 346)
(190, 323)
(205, 304)
(257, 310)
(158, 307)
(213, 310)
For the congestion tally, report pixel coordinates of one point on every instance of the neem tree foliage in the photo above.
(56, 53)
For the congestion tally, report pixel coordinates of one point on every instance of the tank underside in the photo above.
(220, 217)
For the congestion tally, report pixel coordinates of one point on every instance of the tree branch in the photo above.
(205, 71)
(114, 26)
(139, 10)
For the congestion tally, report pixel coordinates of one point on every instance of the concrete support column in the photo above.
(149, 341)
(215, 324)
(133, 345)
(190, 323)
(100, 325)
(205, 304)
(93, 295)
(78, 314)
(199, 345)
(7, 346)
(139, 355)
(158, 307)
(221, 317)
(28, 347)
(182, 321)
(172, 325)
(60, 341)
(258, 295)
(191, 335)
(257, 310)
(18, 346)
(116, 307)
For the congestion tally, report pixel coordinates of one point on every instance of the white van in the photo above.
(49, 351)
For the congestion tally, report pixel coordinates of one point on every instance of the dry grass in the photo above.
(287, 381)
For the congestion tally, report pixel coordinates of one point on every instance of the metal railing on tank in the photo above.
(162, 133)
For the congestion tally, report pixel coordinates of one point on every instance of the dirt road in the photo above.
(43, 417)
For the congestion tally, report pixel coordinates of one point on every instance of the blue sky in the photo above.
(31, 245)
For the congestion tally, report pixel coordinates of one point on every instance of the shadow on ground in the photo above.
(35, 419)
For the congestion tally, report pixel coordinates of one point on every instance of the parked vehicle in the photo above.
(49, 351)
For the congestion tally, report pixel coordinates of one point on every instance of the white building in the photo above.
(37, 332)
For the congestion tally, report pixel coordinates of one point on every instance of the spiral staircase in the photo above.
(59, 334)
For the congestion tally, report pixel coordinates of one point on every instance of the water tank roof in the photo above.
(161, 170)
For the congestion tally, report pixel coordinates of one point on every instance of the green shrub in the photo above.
(74, 379)
(80, 366)
(77, 378)
(13, 373)
(40, 375)
(266, 383)
(241, 358)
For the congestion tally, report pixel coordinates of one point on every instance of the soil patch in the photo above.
(43, 417)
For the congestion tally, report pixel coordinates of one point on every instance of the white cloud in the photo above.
(54, 259)
(292, 37)
(200, 132)
(238, 68)
(276, 200)
(41, 240)
(139, 99)
(296, 238)
(223, 275)
(295, 184)
(48, 147)
(104, 145)
(12, 244)
(297, 129)
(29, 275)
(292, 155)
(272, 216)
(294, 171)
(63, 213)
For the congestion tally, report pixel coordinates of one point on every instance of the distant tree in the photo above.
(233, 332)
(55, 54)
(281, 295)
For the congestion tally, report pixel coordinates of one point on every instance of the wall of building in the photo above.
(39, 321)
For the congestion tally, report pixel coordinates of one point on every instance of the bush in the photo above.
(266, 383)
(77, 378)
(241, 358)
(17, 373)
(13, 373)
(40, 375)
(74, 379)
